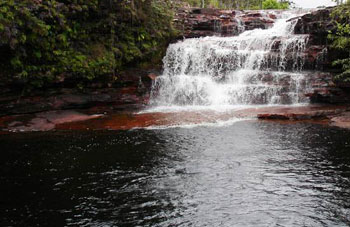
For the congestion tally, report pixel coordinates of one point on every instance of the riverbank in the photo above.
(107, 118)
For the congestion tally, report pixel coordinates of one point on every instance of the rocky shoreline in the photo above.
(130, 92)
(106, 118)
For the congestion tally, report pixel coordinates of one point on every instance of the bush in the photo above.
(341, 40)
(85, 39)
(274, 4)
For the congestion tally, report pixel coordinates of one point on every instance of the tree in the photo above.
(341, 40)
(226, 4)
(274, 4)
(43, 41)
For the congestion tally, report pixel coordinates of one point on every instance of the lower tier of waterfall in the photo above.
(257, 67)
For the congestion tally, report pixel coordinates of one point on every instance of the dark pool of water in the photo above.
(247, 174)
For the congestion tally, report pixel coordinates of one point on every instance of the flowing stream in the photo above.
(258, 67)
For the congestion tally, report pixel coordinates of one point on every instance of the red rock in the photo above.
(272, 16)
(204, 22)
(301, 113)
(273, 116)
(59, 117)
(342, 120)
(152, 76)
(254, 14)
(47, 120)
(73, 120)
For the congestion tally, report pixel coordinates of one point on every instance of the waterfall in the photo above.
(257, 67)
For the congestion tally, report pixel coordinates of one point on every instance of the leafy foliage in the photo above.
(274, 4)
(83, 39)
(341, 40)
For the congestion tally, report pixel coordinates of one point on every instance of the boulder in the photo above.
(316, 23)
(342, 120)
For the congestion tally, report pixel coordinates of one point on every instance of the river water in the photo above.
(248, 174)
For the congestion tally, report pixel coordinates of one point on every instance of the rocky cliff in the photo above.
(317, 25)
(194, 23)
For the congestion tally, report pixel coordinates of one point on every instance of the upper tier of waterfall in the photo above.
(255, 67)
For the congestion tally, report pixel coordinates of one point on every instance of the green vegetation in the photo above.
(274, 4)
(41, 41)
(341, 40)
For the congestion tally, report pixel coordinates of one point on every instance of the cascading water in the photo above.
(257, 67)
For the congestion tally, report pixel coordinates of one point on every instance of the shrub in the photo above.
(341, 40)
(274, 4)
(41, 40)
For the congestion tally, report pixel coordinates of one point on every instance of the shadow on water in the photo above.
(247, 174)
(80, 178)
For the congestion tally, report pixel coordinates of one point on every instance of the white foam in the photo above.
(212, 108)
(217, 123)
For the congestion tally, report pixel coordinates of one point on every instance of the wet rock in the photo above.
(36, 124)
(47, 120)
(152, 76)
(209, 22)
(272, 16)
(302, 113)
(274, 116)
(343, 120)
(132, 88)
(181, 171)
(315, 23)
(125, 120)
(257, 20)
(60, 117)
(326, 90)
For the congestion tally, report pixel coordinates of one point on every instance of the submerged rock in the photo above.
(343, 120)
(46, 121)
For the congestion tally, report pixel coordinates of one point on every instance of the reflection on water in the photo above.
(247, 174)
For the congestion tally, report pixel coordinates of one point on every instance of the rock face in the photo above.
(208, 22)
(317, 25)
(130, 91)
